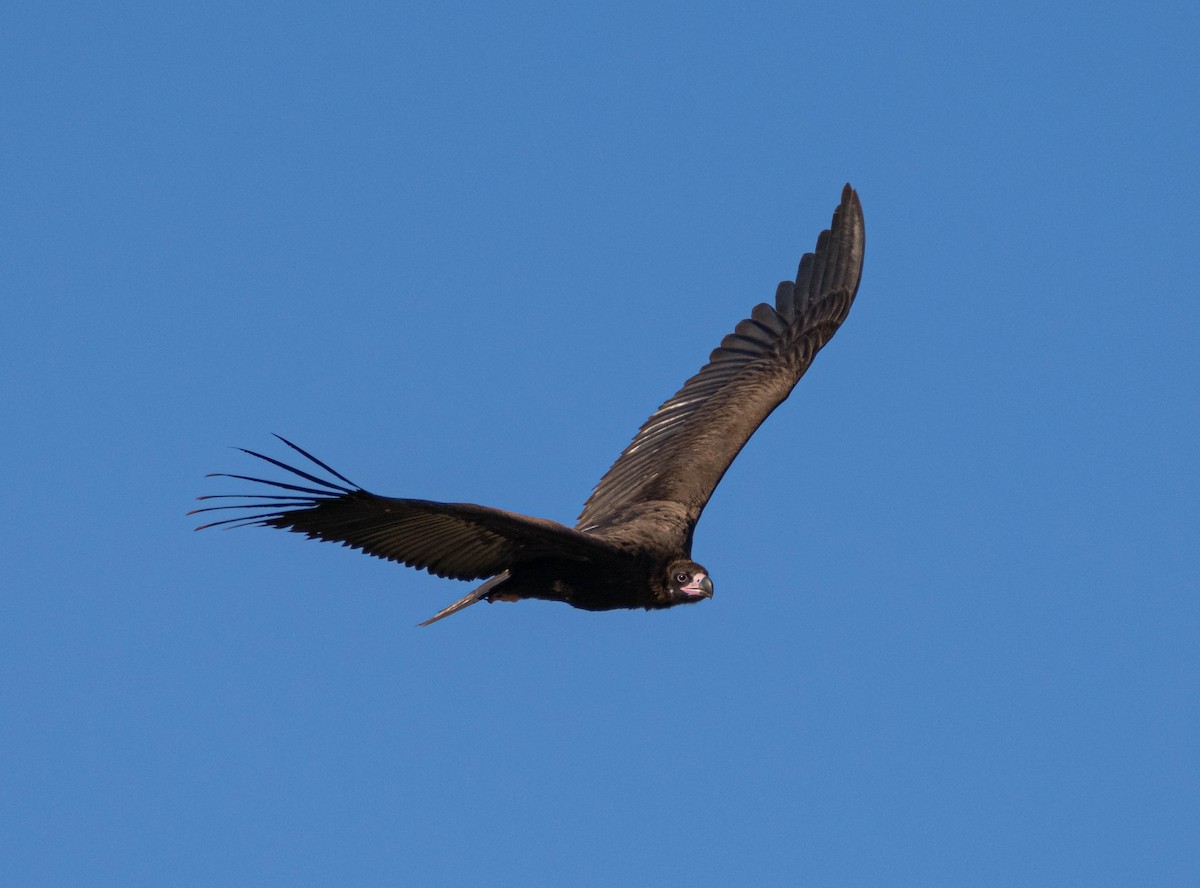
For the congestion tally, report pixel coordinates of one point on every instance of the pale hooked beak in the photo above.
(700, 587)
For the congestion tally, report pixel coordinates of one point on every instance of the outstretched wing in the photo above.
(666, 475)
(459, 540)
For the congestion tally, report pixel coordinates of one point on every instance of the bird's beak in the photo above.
(700, 587)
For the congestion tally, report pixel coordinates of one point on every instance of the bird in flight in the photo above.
(632, 544)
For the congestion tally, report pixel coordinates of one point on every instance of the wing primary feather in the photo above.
(264, 496)
(280, 484)
(303, 474)
(785, 301)
(244, 520)
(309, 456)
(289, 502)
(803, 284)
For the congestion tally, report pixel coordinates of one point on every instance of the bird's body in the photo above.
(631, 547)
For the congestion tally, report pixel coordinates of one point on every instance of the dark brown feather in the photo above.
(459, 540)
(661, 482)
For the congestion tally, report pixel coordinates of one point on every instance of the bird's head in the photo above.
(686, 582)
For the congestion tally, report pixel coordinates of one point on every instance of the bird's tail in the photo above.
(479, 594)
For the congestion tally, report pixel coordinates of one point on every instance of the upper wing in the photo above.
(459, 540)
(670, 469)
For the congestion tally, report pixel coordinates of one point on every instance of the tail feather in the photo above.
(478, 594)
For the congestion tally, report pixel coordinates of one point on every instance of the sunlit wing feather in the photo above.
(669, 471)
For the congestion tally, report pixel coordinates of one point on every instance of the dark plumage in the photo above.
(632, 544)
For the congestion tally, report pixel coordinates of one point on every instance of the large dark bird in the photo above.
(632, 545)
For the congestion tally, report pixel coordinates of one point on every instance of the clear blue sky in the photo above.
(460, 252)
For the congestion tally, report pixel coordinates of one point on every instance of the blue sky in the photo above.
(461, 252)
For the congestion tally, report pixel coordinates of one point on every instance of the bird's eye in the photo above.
(681, 578)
